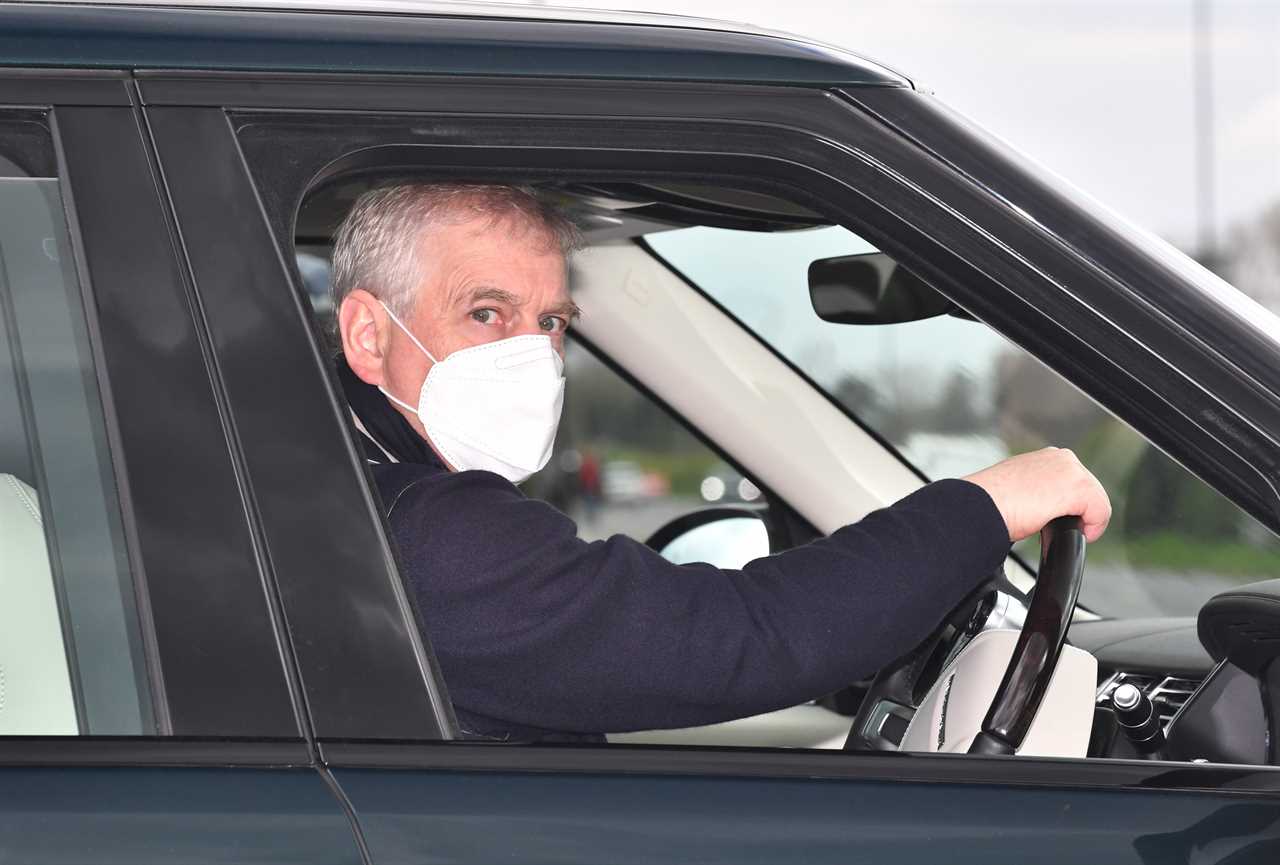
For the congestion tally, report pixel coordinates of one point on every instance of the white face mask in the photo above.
(493, 406)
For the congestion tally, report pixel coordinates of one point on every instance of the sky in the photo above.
(1102, 93)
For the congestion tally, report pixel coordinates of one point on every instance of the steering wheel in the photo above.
(898, 690)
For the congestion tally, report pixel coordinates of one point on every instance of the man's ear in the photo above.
(362, 323)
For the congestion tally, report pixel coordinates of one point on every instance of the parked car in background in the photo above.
(625, 481)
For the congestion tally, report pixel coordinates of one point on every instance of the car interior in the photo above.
(765, 448)
(820, 464)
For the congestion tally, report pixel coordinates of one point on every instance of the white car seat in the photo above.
(35, 683)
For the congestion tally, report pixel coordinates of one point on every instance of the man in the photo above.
(452, 309)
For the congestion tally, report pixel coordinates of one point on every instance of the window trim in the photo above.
(49, 87)
(159, 715)
(227, 752)
(881, 766)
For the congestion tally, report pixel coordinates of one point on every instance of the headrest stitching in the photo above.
(25, 499)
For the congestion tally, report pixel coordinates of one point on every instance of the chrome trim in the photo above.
(1168, 694)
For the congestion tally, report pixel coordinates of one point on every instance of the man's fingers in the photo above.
(1033, 488)
(1093, 531)
(1096, 514)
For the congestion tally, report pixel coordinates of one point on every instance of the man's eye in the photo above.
(553, 324)
(484, 316)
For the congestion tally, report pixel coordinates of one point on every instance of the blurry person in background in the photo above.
(589, 484)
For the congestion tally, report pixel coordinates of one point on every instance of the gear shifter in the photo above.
(1138, 719)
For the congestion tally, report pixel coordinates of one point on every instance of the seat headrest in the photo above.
(36, 699)
(18, 503)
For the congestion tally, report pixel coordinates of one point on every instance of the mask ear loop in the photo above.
(421, 348)
(408, 333)
(404, 405)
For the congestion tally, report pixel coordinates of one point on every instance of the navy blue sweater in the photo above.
(543, 636)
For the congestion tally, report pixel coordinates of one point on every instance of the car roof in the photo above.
(402, 36)
(456, 8)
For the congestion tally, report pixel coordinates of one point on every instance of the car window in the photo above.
(953, 396)
(622, 464)
(71, 659)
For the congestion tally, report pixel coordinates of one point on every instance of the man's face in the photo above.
(483, 281)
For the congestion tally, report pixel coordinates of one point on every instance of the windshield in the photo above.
(953, 396)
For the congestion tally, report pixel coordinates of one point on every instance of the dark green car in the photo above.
(206, 650)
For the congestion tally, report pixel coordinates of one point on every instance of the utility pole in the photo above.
(1202, 82)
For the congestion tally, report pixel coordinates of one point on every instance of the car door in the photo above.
(239, 153)
(147, 708)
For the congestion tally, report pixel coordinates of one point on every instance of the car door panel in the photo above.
(220, 769)
(99, 815)
(412, 816)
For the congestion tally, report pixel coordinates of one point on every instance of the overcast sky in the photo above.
(1101, 92)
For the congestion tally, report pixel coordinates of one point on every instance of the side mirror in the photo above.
(724, 537)
(872, 288)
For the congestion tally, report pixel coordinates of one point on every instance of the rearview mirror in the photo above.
(871, 288)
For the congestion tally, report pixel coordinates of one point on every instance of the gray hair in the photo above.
(377, 246)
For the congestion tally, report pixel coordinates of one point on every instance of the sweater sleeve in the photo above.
(536, 627)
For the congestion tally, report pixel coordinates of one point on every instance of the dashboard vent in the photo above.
(1168, 693)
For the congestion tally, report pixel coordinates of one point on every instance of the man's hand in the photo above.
(1031, 489)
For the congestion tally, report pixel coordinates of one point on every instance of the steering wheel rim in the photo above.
(1030, 668)
(1035, 656)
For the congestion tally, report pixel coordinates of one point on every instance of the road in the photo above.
(1122, 592)
(638, 519)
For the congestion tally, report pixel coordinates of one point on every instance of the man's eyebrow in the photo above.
(568, 309)
(489, 292)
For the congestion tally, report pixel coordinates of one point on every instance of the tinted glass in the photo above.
(71, 657)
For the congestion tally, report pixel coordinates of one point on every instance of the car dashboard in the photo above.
(1161, 657)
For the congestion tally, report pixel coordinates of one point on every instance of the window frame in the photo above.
(218, 697)
(823, 151)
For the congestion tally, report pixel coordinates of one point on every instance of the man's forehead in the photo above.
(500, 261)
(462, 230)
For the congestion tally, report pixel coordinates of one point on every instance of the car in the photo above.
(797, 264)
(625, 481)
